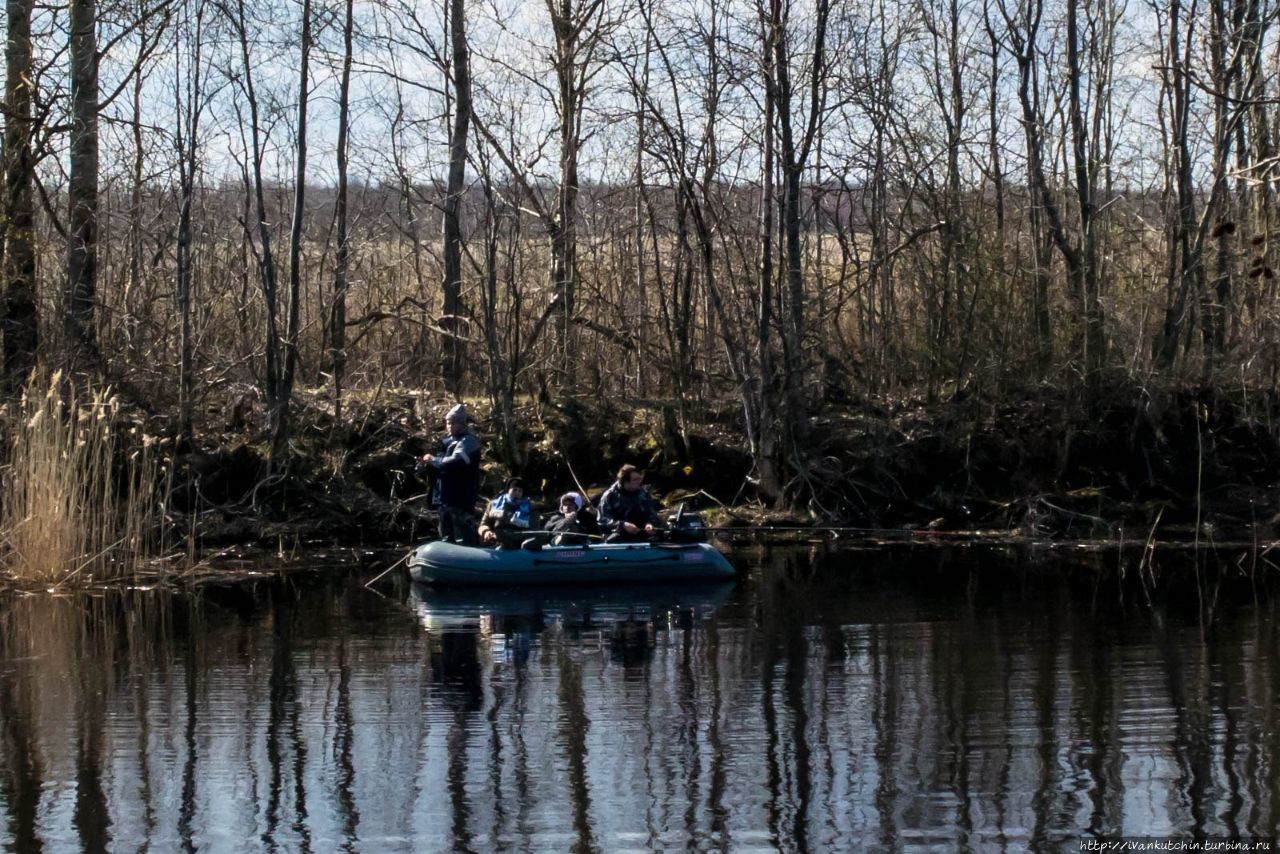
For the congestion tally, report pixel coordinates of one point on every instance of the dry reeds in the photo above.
(79, 498)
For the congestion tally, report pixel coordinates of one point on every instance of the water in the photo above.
(928, 699)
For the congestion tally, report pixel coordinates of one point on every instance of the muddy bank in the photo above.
(1046, 463)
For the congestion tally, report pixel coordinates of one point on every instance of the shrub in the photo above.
(80, 502)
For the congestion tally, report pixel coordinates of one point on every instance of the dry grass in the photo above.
(80, 503)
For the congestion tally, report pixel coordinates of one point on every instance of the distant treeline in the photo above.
(792, 205)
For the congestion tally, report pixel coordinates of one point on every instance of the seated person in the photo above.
(507, 518)
(627, 513)
(576, 523)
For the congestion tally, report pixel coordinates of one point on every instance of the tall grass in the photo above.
(80, 503)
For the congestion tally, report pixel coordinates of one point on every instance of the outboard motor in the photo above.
(685, 526)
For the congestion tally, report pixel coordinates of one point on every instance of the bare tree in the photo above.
(280, 414)
(454, 351)
(504, 344)
(342, 260)
(255, 187)
(769, 463)
(579, 28)
(947, 68)
(792, 148)
(191, 100)
(1077, 246)
(1232, 37)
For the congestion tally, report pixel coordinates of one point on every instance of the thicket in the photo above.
(763, 225)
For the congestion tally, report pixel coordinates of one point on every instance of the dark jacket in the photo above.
(458, 483)
(573, 530)
(617, 505)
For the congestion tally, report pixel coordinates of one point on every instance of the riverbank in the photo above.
(1043, 463)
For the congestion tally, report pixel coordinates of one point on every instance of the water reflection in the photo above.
(829, 700)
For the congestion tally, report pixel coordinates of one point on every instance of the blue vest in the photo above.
(516, 513)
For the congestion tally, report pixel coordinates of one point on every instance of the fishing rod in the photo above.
(844, 529)
(534, 531)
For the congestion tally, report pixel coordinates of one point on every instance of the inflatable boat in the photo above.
(448, 563)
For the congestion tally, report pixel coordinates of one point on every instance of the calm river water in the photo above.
(927, 698)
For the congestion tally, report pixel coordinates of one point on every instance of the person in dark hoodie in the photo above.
(457, 481)
(576, 524)
(627, 513)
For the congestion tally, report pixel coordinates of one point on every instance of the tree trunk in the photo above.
(767, 452)
(1081, 259)
(570, 23)
(280, 417)
(1084, 261)
(503, 362)
(21, 327)
(642, 208)
(1179, 91)
(136, 181)
(338, 313)
(793, 153)
(1198, 215)
(82, 184)
(190, 106)
(265, 254)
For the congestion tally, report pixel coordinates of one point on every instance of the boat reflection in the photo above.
(510, 621)
(572, 606)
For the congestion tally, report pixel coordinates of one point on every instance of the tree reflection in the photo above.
(24, 774)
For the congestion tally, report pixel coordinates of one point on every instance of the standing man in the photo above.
(458, 479)
(626, 510)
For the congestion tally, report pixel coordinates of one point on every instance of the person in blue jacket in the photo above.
(508, 517)
(626, 510)
(457, 481)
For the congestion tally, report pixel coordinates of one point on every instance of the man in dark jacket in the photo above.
(458, 479)
(626, 510)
